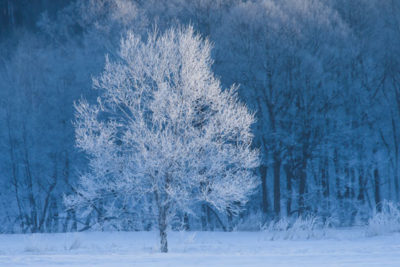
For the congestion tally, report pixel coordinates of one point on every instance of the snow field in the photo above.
(348, 247)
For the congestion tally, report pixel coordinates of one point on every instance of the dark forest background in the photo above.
(323, 77)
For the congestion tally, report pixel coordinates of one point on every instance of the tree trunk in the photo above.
(186, 225)
(325, 184)
(396, 181)
(289, 177)
(325, 179)
(396, 161)
(14, 174)
(204, 217)
(302, 185)
(277, 188)
(377, 190)
(209, 221)
(263, 173)
(338, 185)
(32, 203)
(361, 186)
(230, 218)
(162, 225)
(302, 189)
(74, 226)
(303, 173)
(352, 183)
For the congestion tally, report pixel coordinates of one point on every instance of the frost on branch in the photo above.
(163, 132)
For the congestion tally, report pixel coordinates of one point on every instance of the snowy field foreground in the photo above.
(333, 248)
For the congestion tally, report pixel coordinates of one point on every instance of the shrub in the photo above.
(296, 229)
(386, 221)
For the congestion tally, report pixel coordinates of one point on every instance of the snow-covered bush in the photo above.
(251, 222)
(296, 229)
(385, 221)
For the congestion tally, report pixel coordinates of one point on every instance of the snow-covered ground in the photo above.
(333, 248)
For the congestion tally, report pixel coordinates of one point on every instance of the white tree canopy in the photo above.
(163, 127)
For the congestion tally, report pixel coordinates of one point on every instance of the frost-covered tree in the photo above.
(164, 130)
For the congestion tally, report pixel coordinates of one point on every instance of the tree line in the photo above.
(322, 77)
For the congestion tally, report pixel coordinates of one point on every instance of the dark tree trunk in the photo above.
(14, 175)
(303, 172)
(377, 190)
(347, 186)
(74, 226)
(396, 181)
(277, 188)
(338, 183)
(186, 225)
(302, 186)
(31, 197)
(289, 178)
(209, 219)
(230, 218)
(361, 185)
(203, 217)
(325, 179)
(352, 183)
(326, 203)
(396, 160)
(263, 174)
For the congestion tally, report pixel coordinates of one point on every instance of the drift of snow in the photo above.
(337, 248)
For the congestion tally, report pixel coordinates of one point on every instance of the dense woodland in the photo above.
(322, 76)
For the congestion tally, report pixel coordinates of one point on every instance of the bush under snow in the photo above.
(386, 221)
(301, 228)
